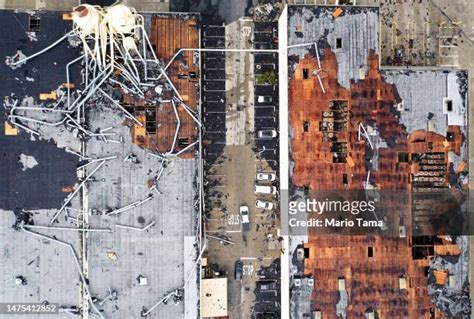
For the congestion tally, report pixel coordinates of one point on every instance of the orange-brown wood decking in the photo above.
(371, 282)
(369, 101)
(168, 35)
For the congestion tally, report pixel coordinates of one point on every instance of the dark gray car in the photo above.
(238, 269)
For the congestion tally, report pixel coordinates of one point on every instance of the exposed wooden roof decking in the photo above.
(168, 35)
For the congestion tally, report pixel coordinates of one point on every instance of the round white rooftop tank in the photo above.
(120, 18)
(86, 18)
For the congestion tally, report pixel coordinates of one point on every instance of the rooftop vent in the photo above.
(34, 24)
(449, 105)
(305, 74)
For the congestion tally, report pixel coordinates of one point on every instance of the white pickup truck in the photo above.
(244, 216)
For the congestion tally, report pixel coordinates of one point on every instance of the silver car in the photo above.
(266, 177)
(267, 134)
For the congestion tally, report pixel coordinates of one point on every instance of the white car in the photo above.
(270, 177)
(263, 204)
(268, 190)
(267, 134)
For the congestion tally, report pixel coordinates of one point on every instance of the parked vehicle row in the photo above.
(266, 93)
(265, 177)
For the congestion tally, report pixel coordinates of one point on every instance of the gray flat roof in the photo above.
(157, 253)
(48, 268)
(423, 92)
(357, 27)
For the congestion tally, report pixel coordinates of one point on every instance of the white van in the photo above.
(270, 190)
(264, 99)
(263, 204)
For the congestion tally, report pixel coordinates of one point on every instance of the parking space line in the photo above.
(233, 231)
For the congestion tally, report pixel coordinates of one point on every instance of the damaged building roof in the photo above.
(367, 128)
(138, 206)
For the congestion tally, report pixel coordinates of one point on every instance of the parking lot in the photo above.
(234, 155)
(213, 92)
(233, 183)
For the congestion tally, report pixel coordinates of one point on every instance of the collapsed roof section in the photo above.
(160, 132)
(123, 66)
(342, 123)
(383, 129)
(388, 277)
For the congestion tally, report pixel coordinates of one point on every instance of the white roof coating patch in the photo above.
(27, 161)
(456, 116)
